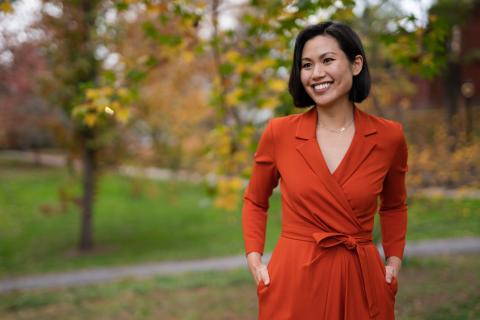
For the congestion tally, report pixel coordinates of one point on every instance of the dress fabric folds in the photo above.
(325, 264)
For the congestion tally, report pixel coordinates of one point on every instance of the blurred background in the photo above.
(127, 130)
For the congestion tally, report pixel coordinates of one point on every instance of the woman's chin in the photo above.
(328, 101)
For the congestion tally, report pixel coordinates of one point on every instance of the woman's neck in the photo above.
(337, 115)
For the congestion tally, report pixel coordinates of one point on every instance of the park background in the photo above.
(127, 130)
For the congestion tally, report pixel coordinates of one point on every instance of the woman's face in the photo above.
(326, 73)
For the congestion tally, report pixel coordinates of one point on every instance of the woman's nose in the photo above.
(318, 71)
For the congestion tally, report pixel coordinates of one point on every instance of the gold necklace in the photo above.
(339, 131)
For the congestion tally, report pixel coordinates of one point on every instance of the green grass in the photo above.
(140, 220)
(438, 217)
(446, 287)
(135, 220)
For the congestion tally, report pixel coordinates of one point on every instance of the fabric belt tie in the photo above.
(358, 243)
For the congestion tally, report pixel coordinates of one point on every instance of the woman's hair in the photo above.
(350, 44)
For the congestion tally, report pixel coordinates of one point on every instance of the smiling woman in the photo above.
(326, 72)
(321, 51)
(334, 161)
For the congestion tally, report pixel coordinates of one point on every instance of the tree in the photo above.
(171, 113)
(70, 46)
(435, 51)
(95, 98)
(25, 118)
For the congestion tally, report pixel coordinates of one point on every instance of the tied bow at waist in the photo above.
(358, 243)
(331, 239)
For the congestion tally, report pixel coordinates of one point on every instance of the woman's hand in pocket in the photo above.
(258, 270)
(392, 268)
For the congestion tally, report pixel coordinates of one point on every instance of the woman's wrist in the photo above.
(254, 258)
(394, 260)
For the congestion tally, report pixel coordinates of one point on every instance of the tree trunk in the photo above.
(469, 120)
(452, 84)
(88, 10)
(89, 183)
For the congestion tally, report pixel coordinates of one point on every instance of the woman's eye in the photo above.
(306, 65)
(328, 60)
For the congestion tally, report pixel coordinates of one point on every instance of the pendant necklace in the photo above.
(339, 131)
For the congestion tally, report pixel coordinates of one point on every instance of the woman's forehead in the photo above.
(320, 45)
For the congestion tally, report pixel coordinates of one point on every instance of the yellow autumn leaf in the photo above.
(222, 186)
(233, 97)
(241, 156)
(278, 85)
(223, 150)
(259, 66)
(90, 119)
(270, 103)
(154, 9)
(100, 103)
(6, 7)
(227, 201)
(217, 82)
(123, 92)
(115, 105)
(240, 68)
(188, 56)
(232, 56)
(236, 184)
(106, 91)
(91, 94)
(123, 114)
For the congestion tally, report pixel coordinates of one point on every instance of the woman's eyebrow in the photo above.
(321, 56)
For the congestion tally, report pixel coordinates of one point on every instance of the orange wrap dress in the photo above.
(324, 264)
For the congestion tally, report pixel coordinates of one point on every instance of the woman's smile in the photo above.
(321, 87)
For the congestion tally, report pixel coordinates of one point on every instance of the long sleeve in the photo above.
(263, 180)
(393, 209)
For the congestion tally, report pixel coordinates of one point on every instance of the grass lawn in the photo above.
(140, 220)
(441, 288)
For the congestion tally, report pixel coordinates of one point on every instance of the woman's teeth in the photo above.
(322, 86)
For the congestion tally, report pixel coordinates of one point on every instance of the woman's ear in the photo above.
(357, 65)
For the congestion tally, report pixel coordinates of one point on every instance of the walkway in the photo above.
(99, 275)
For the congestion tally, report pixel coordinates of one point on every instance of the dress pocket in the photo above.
(393, 286)
(261, 287)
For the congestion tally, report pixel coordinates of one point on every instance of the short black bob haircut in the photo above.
(350, 44)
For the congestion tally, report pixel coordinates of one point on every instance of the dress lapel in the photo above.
(359, 150)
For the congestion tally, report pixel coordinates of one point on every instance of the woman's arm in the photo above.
(256, 197)
(393, 209)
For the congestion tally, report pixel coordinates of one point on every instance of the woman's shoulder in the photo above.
(386, 127)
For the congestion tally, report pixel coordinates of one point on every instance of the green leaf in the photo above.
(121, 6)
(169, 40)
(152, 61)
(136, 75)
(163, 19)
(226, 69)
(109, 76)
(149, 30)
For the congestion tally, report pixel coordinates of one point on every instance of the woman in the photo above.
(334, 161)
